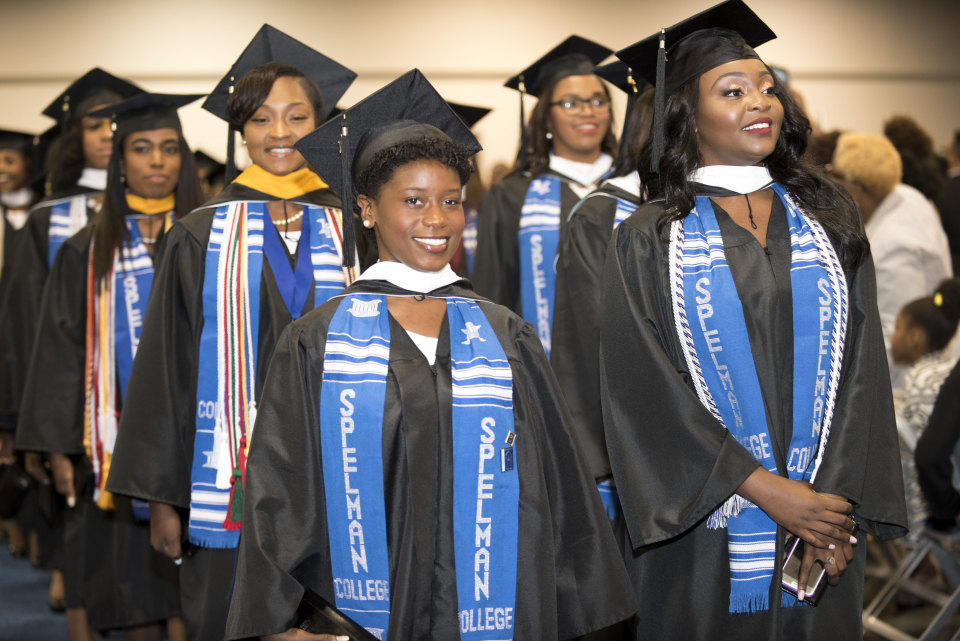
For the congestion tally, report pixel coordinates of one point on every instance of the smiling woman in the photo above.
(730, 300)
(276, 237)
(437, 412)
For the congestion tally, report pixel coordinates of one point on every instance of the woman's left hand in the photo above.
(835, 562)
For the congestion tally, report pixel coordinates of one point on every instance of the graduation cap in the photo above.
(469, 114)
(625, 79)
(209, 167)
(408, 108)
(146, 112)
(272, 45)
(92, 89)
(32, 147)
(668, 60)
(575, 56)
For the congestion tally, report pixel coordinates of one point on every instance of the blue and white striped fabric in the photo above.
(539, 239)
(67, 217)
(712, 330)
(624, 209)
(325, 252)
(486, 482)
(211, 472)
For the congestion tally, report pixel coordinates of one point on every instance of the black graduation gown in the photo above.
(496, 265)
(153, 456)
(570, 578)
(674, 463)
(25, 271)
(110, 569)
(575, 348)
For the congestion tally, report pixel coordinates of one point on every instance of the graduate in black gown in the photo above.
(78, 180)
(90, 321)
(473, 193)
(272, 239)
(707, 462)
(565, 150)
(575, 356)
(552, 568)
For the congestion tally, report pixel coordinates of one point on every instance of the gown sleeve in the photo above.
(673, 461)
(51, 412)
(593, 589)
(284, 520)
(154, 450)
(496, 265)
(935, 452)
(862, 459)
(21, 287)
(576, 324)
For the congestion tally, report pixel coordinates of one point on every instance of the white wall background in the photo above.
(856, 62)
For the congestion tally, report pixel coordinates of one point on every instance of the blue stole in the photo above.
(208, 502)
(486, 482)
(294, 285)
(134, 277)
(67, 217)
(716, 344)
(624, 209)
(539, 239)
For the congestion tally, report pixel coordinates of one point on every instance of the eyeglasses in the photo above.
(576, 105)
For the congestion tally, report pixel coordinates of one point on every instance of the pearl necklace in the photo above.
(292, 219)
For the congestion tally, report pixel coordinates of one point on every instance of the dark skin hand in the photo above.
(62, 468)
(165, 530)
(6, 449)
(33, 463)
(418, 219)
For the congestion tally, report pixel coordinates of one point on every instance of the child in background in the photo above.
(924, 328)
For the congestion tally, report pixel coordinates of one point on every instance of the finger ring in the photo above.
(831, 561)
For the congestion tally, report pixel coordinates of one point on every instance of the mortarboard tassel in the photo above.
(522, 151)
(230, 171)
(658, 108)
(346, 195)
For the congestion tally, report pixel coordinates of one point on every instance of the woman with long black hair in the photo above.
(566, 149)
(90, 321)
(269, 248)
(746, 399)
(78, 178)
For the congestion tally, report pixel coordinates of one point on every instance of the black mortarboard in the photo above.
(146, 112)
(18, 141)
(626, 80)
(726, 32)
(208, 166)
(272, 45)
(407, 108)
(469, 114)
(575, 56)
(92, 89)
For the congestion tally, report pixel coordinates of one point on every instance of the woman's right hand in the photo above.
(296, 634)
(820, 520)
(62, 468)
(165, 530)
(33, 464)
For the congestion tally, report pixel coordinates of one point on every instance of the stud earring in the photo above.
(367, 224)
(243, 141)
(549, 136)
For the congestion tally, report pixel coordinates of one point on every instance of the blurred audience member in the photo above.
(936, 459)
(924, 329)
(821, 147)
(909, 248)
(500, 171)
(921, 168)
(948, 202)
